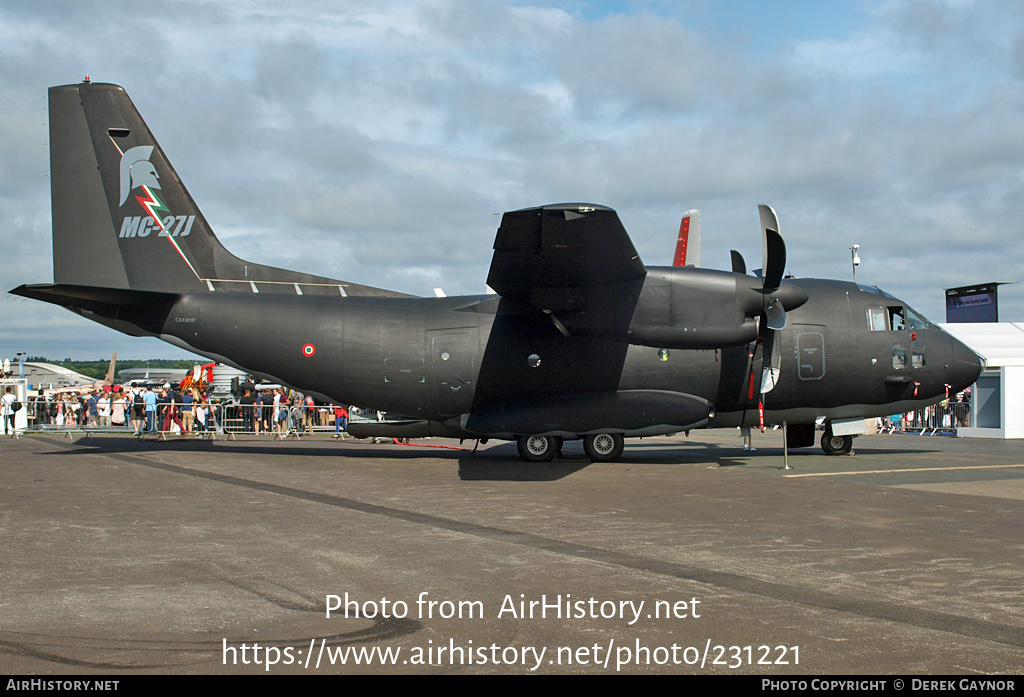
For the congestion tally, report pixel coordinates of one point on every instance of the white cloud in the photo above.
(373, 141)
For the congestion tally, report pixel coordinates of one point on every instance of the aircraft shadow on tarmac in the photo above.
(253, 448)
(502, 463)
(497, 463)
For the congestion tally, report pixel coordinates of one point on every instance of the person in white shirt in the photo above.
(280, 407)
(103, 410)
(7, 411)
(201, 417)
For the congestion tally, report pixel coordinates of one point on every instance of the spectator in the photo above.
(248, 412)
(188, 400)
(138, 408)
(340, 421)
(92, 410)
(103, 410)
(308, 414)
(149, 397)
(118, 409)
(7, 410)
(171, 413)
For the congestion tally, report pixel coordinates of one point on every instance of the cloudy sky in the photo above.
(379, 141)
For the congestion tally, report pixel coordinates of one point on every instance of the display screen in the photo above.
(972, 304)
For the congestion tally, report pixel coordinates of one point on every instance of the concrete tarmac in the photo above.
(689, 556)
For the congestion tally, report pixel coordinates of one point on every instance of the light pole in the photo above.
(855, 258)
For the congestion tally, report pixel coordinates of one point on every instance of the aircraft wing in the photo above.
(573, 262)
(557, 258)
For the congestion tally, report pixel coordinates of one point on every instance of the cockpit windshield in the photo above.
(895, 318)
(916, 321)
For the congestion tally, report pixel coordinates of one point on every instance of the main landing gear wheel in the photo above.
(603, 447)
(836, 445)
(538, 448)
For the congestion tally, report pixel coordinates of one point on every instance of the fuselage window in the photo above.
(899, 356)
(876, 319)
(917, 354)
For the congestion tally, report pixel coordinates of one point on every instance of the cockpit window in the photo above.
(876, 319)
(895, 318)
(916, 321)
(896, 321)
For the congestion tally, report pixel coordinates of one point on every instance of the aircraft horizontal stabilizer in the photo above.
(92, 298)
(135, 312)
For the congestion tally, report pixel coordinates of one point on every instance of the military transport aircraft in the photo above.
(582, 341)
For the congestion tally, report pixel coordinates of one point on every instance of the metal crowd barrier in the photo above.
(227, 422)
(938, 419)
(230, 422)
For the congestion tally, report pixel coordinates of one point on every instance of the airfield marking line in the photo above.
(914, 469)
(883, 609)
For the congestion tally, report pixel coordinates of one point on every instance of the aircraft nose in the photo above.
(966, 366)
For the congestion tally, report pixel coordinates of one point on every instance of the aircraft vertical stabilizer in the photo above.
(123, 219)
(688, 241)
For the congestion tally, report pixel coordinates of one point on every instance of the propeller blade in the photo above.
(773, 249)
(738, 265)
(776, 314)
(769, 378)
(771, 362)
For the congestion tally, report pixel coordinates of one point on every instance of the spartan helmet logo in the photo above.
(137, 170)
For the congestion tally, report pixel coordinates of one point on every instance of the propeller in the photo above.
(773, 251)
(772, 298)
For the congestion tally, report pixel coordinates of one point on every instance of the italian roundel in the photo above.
(308, 350)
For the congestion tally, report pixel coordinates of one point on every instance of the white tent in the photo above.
(997, 402)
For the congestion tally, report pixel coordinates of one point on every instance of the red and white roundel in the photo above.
(308, 350)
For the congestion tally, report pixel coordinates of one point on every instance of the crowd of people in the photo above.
(193, 411)
(75, 409)
(275, 411)
(949, 414)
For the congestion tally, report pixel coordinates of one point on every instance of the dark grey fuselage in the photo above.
(440, 358)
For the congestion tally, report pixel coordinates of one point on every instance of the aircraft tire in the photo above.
(836, 445)
(603, 447)
(538, 448)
